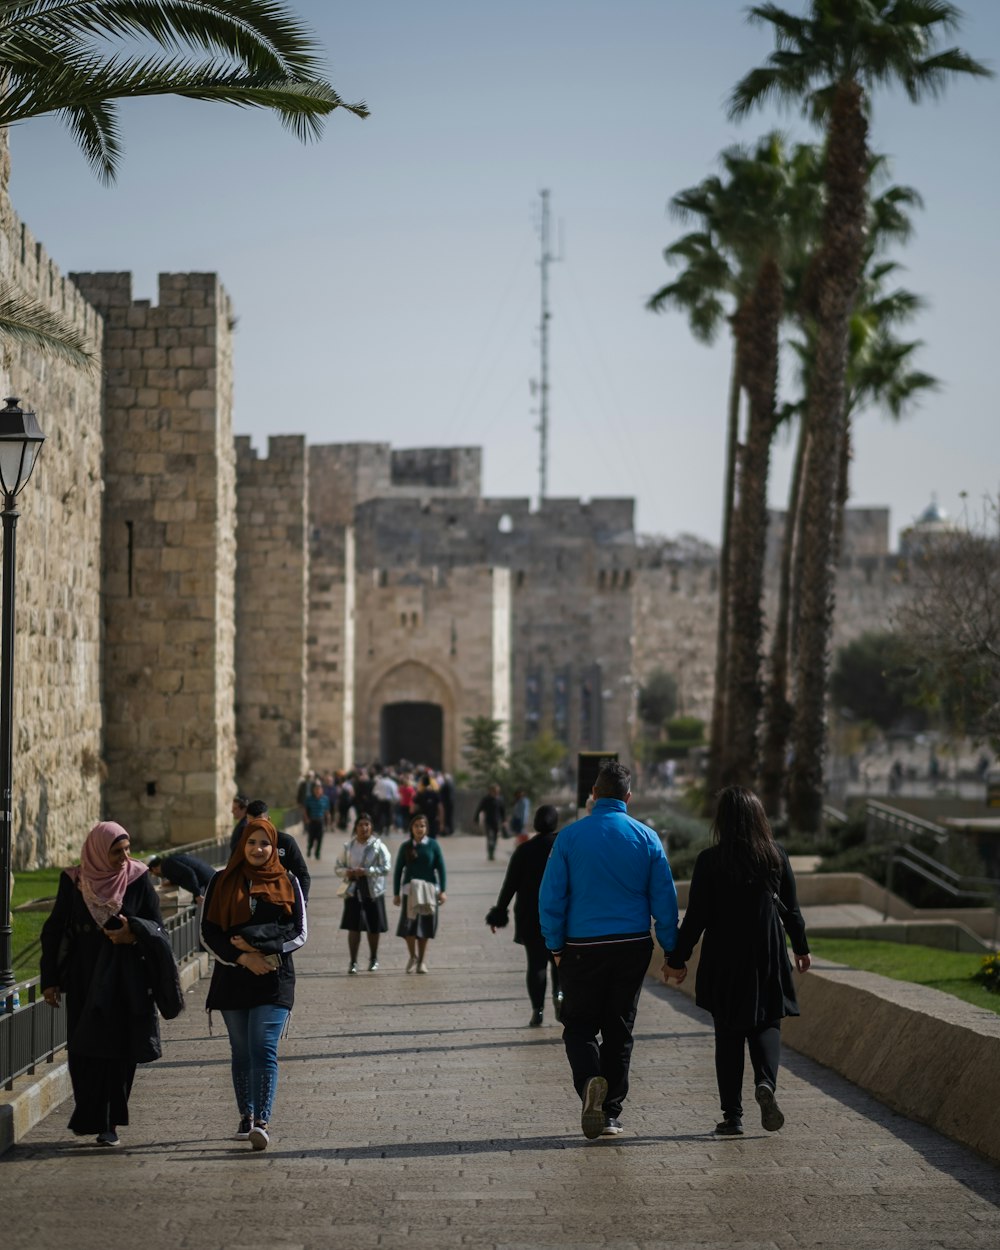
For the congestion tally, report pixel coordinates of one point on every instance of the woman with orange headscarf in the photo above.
(254, 917)
(103, 945)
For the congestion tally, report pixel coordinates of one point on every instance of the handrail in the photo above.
(30, 1033)
(901, 820)
(937, 874)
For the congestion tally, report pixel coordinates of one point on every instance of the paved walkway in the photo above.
(422, 1112)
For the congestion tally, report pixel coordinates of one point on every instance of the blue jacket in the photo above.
(606, 876)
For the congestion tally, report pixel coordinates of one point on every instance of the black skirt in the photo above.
(364, 915)
(422, 926)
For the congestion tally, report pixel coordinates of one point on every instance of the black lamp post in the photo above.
(20, 442)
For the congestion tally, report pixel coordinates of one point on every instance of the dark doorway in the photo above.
(414, 732)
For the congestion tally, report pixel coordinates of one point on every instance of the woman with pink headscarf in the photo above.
(103, 945)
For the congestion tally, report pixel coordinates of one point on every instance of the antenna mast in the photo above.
(546, 258)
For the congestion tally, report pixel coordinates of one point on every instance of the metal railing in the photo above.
(32, 1032)
(882, 819)
(954, 884)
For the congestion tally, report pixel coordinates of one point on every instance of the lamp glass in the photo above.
(17, 459)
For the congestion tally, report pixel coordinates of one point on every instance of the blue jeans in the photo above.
(253, 1038)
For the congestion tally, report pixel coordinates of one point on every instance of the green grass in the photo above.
(950, 971)
(42, 883)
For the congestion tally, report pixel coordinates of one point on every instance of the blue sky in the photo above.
(386, 278)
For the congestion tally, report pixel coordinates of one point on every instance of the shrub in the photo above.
(686, 731)
(989, 973)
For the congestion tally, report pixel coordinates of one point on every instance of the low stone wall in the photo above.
(826, 889)
(926, 1054)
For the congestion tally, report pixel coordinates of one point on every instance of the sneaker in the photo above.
(352, 971)
(731, 1126)
(422, 966)
(592, 1119)
(373, 966)
(411, 963)
(612, 1126)
(110, 1138)
(536, 1020)
(557, 1005)
(770, 1113)
(243, 1132)
(258, 1136)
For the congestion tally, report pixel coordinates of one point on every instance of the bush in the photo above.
(989, 973)
(682, 861)
(686, 731)
(870, 860)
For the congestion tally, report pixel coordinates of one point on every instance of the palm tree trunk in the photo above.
(757, 329)
(713, 775)
(833, 289)
(843, 490)
(778, 721)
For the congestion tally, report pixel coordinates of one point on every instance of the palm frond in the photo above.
(263, 36)
(251, 53)
(82, 90)
(27, 321)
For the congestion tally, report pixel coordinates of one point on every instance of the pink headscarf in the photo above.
(103, 886)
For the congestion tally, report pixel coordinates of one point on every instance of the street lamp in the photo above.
(20, 442)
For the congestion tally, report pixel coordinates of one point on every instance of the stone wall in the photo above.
(330, 635)
(57, 697)
(569, 569)
(573, 571)
(169, 556)
(429, 636)
(677, 605)
(272, 567)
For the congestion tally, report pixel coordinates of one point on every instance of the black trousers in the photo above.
(539, 959)
(314, 837)
(601, 986)
(764, 1044)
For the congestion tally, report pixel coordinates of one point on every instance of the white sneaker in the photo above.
(422, 966)
(411, 963)
(259, 1137)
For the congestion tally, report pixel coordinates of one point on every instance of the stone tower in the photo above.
(169, 555)
(272, 570)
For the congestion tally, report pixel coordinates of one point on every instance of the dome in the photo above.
(934, 515)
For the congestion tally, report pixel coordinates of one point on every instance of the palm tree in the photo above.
(756, 231)
(879, 376)
(756, 218)
(79, 58)
(828, 63)
(703, 290)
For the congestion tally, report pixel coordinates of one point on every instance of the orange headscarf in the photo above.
(229, 906)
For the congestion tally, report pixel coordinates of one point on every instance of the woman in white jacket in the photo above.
(364, 864)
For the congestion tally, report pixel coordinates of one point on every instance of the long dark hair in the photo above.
(743, 835)
(410, 850)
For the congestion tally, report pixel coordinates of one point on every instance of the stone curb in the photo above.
(33, 1097)
(926, 1054)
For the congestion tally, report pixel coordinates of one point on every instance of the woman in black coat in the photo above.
(104, 947)
(524, 878)
(742, 898)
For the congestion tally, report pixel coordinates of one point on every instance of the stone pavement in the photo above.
(420, 1111)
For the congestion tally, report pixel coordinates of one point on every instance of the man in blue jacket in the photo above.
(606, 876)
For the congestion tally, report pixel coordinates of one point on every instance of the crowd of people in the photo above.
(389, 795)
(584, 900)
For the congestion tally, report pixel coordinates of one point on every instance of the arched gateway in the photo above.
(411, 715)
(412, 731)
